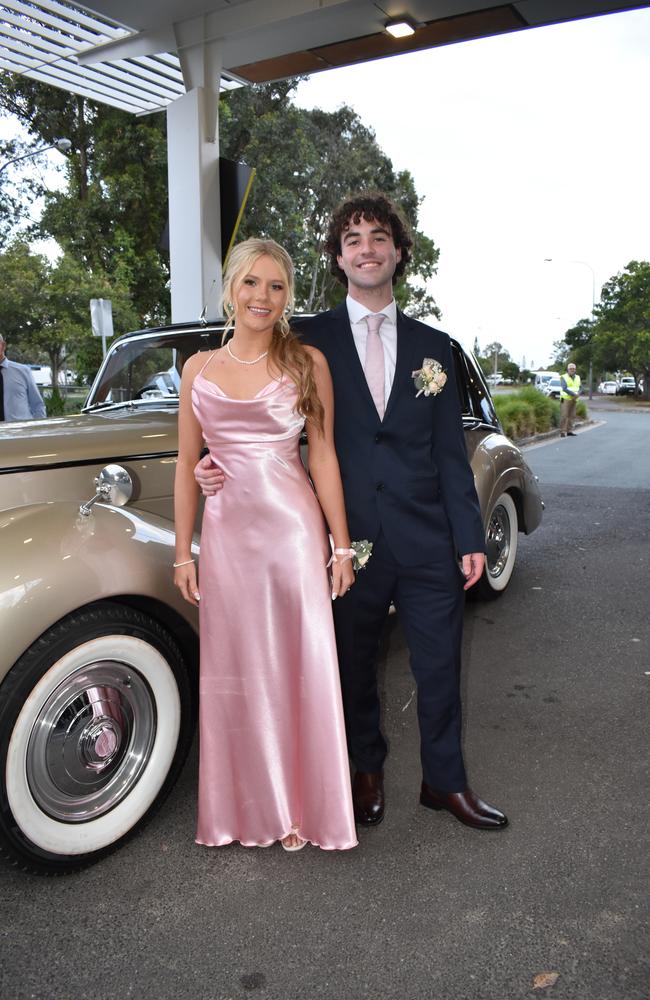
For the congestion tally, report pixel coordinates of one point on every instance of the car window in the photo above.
(475, 400)
(147, 369)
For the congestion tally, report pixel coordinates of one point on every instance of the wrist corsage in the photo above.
(359, 553)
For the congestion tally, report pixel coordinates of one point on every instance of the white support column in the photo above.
(194, 207)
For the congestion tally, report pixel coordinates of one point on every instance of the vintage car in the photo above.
(98, 670)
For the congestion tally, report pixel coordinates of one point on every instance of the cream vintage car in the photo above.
(98, 664)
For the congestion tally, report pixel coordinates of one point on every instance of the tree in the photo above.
(45, 311)
(621, 339)
(111, 217)
(307, 162)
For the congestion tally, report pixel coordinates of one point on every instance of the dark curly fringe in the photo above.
(371, 207)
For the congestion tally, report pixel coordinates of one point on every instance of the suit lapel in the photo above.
(350, 355)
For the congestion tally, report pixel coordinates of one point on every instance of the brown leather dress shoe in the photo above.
(368, 798)
(465, 806)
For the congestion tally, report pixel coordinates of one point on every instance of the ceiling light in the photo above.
(400, 28)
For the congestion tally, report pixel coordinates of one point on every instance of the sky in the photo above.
(525, 146)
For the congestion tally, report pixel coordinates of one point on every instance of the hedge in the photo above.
(529, 412)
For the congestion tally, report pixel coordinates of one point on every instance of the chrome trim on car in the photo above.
(142, 457)
(91, 742)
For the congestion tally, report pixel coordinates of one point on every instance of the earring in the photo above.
(229, 306)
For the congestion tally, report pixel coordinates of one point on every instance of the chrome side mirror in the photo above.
(113, 485)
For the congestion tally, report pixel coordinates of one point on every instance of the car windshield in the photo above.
(146, 370)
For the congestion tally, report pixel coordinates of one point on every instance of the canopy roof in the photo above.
(129, 53)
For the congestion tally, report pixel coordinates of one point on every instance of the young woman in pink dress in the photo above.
(273, 758)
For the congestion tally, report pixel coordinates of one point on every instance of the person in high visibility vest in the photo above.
(569, 393)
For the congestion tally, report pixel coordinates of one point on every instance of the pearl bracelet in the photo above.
(185, 563)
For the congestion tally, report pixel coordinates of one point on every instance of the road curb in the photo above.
(549, 435)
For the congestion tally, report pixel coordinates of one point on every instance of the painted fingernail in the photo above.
(333, 597)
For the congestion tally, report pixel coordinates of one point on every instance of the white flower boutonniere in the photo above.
(430, 378)
(362, 553)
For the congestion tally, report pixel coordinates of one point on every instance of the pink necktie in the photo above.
(374, 366)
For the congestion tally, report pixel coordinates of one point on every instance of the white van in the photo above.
(543, 378)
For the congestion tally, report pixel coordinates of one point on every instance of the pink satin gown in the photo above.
(273, 755)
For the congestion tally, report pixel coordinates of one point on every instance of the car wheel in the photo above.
(96, 720)
(501, 536)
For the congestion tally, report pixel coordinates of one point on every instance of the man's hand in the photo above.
(209, 476)
(473, 564)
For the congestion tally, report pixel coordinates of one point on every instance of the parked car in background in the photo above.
(43, 376)
(607, 388)
(543, 378)
(626, 386)
(98, 663)
(495, 378)
(553, 387)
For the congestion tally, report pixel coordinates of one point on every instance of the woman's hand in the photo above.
(185, 580)
(342, 578)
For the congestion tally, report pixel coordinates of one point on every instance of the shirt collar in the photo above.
(357, 312)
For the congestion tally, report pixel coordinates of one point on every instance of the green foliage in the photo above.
(510, 369)
(54, 403)
(307, 162)
(528, 412)
(111, 217)
(45, 312)
(622, 334)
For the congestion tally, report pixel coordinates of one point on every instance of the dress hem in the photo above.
(233, 840)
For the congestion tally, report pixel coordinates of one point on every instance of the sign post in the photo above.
(101, 318)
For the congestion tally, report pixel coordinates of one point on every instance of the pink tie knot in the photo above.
(374, 321)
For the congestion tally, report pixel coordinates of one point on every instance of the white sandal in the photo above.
(296, 847)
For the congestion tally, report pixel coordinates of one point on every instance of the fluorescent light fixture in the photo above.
(400, 28)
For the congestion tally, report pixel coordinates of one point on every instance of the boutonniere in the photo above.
(430, 378)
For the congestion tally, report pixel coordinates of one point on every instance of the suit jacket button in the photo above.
(377, 438)
(380, 487)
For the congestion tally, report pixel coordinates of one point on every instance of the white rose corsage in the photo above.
(430, 378)
(362, 553)
(359, 553)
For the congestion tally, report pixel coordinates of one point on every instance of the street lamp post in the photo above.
(550, 260)
(63, 145)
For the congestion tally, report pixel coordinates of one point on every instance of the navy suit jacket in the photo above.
(408, 475)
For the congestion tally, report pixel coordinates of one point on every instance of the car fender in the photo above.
(55, 560)
(499, 467)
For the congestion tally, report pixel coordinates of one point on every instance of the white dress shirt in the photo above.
(387, 331)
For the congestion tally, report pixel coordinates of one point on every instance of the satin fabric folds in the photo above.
(273, 755)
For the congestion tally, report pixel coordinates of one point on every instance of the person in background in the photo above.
(19, 396)
(569, 394)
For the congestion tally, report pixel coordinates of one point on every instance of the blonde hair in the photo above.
(285, 352)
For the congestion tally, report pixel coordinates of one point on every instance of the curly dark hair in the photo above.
(371, 207)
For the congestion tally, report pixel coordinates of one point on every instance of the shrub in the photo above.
(529, 412)
(54, 404)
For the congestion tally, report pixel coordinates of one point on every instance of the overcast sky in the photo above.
(524, 146)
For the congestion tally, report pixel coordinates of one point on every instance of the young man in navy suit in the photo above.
(409, 489)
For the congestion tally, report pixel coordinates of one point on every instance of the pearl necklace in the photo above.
(240, 361)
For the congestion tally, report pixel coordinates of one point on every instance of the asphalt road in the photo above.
(554, 683)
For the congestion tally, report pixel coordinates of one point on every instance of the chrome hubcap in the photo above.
(498, 541)
(91, 741)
